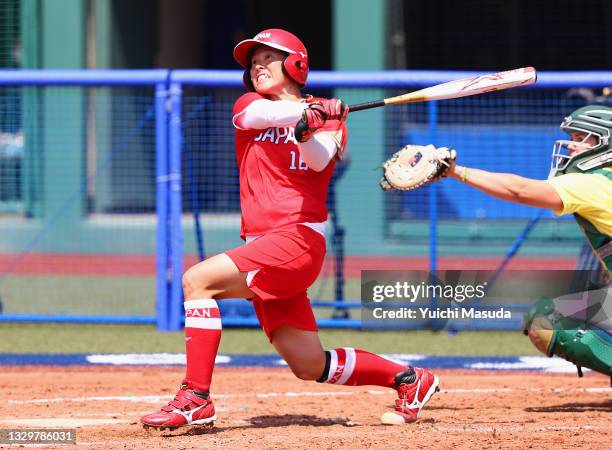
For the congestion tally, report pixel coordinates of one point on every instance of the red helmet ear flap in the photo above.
(296, 66)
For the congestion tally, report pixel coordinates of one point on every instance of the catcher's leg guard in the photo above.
(573, 340)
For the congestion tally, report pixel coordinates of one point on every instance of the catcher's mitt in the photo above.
(415, 165)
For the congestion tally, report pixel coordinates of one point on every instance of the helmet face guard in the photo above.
(561, 155)
(295, 65)
(591, 121)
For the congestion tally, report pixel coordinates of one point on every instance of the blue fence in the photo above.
(195, 180)
(72, 207)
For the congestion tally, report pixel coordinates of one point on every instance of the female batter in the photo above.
(284, 177)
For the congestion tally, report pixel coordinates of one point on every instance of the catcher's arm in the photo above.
(510, 187)
(416, 165)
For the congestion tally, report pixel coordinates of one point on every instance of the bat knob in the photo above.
(301, 131)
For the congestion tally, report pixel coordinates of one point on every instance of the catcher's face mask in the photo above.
(564, 150)
(591, 131)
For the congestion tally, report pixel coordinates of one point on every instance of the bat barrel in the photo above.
(459, 88)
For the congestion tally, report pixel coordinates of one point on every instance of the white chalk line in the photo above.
(165, 398)
(138, 413)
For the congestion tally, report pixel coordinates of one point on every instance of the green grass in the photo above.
(79, 338)
(108, 295)
(135, 295)
(74, 295)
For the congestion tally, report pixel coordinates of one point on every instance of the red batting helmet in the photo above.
(296, 63)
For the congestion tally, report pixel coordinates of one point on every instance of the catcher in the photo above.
(580, 182)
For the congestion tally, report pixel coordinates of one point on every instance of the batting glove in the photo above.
(315, 116)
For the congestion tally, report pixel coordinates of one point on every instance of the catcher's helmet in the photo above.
(295, 64)
(592, 120)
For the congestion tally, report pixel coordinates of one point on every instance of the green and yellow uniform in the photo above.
(584, 184)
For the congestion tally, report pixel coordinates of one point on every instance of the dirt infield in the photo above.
(270, 409)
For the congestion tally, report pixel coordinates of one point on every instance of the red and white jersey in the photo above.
(276, 186)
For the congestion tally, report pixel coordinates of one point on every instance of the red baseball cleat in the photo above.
(415, 387)
(186, 408)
